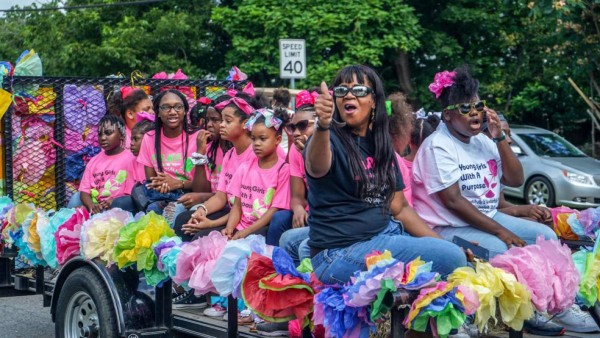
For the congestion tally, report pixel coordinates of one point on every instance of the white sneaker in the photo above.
(576, 320)
(215, 311)
(466, 331)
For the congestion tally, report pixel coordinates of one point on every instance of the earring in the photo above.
(372, 118)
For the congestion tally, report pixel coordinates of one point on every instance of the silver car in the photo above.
(556, 172)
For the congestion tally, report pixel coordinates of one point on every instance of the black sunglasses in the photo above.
(358, 91)
(301, 126)
(465, 108)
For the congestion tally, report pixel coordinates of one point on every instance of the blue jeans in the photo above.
(75, 201)
(159, 201)
(337, 265)
(125, 203)
(526, 230)
(280, 222)
(295, 243)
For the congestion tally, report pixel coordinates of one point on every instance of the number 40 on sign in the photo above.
(292, 59)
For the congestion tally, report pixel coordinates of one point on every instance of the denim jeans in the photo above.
(337, 265)
(295, 243)
(280, 222)
(526, 230)
(75, 201)
(125, 203)
(159, 201)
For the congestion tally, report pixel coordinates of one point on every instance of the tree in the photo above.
(337, 33)
(109, 40)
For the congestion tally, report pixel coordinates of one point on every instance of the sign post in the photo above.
(292, 60)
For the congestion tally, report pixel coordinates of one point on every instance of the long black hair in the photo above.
(158, 126)
(379, 135)
(212, 150)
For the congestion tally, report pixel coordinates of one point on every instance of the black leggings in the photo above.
(184, 217)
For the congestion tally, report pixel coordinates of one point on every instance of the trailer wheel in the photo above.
(84, 307)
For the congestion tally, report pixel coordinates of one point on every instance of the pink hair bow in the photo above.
(204, 100)
(126, 91)
(142, 115)
(440, 81)
(304, 97)
(240, 103)
(249, 89)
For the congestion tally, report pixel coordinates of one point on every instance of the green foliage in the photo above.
(521, 51)
(103, 41)
(337, 33)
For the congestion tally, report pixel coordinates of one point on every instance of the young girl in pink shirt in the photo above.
(108, 177)
(261, 186)
(137, 135)
(235, 111)
(127, 102)
(166, 152)
(299, 130)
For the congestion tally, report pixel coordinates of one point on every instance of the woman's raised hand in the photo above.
(324, 107)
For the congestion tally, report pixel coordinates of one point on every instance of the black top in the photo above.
(338, 217)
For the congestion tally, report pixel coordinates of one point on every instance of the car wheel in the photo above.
(539, 191)
(84, 307)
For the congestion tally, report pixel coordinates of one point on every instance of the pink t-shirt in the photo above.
(109, 176)
(406, 177)
(296, 164)
(260, 189)
(174, 161)
(139, 174)
(127, 138)
(213, 176)
(231, 162)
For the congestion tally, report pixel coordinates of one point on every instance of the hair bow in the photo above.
(271, 121)
(142, 115)
(440, 81)
(388, 108)
(205, 100)
(421, 114)
(126, 91)
(304, 97)
(240, 103)
(249, 89)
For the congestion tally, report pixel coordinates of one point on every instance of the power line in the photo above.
(129, 3)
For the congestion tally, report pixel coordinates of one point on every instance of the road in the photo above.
(23, 316)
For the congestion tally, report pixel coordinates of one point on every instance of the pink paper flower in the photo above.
(440, 81)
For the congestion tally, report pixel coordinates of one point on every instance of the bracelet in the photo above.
(322, 128)
(201, 205)
(182, 185)
(499, 139)
(199, 159)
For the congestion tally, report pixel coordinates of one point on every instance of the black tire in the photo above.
(85, 306)
(538, 191)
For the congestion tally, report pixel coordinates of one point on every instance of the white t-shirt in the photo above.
(443, 160)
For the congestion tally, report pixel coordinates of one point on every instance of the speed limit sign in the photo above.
(292, 59)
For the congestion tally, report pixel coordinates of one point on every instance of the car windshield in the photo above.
(551, 145)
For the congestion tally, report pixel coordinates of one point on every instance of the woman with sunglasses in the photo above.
(300, 129)
(355, 186)
(458, 171)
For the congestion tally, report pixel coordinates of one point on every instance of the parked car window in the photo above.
(551, 145)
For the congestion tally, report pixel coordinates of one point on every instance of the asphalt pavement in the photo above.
(23, 316)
